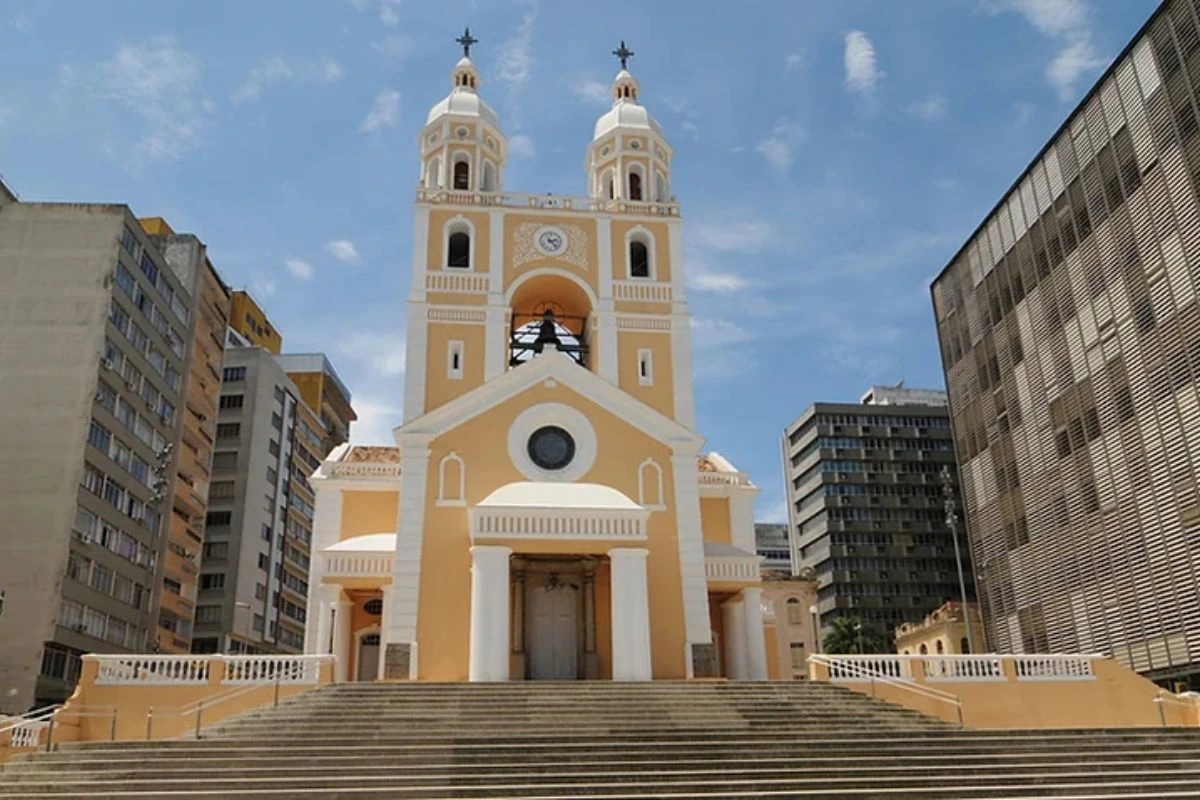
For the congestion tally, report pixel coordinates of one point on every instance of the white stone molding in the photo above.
(643, 235)
(650, 485)
(733, 568)
(456, 494)
(675, 248)
(555, 204)
(525, 248)
(457, 224)
(456, 315)
(681, 369)
(457, 281)
(406, 569)
(489, 613)
(416, 341)
(496, 251)
(691, 549)
(456, 354)
(341, 639)
(631, 657)
(734, 634)
(649, 323)
(326, 530)
(542, 523)
(645, 366)
(556, 271)
(642, 290)
(563, 416)
(495, 337)
(756, 642)
(741, 520)
(420, 254)
(604, 265)
(606, 336)
(349, 564)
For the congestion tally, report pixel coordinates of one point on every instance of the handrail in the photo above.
(912, 686)
(47, 718)
(197, 707)
(1164, 696)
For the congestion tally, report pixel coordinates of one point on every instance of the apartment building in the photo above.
(772, 543)
(94, 352)
(324, 392)
(1070, 336)
(866, 506)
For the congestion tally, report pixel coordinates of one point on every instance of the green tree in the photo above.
(850, 635)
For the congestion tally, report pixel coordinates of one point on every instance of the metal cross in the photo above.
(466, 40)
(623, 53)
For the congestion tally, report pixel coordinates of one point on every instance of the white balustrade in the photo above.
(28, 734)
(1054, 668)
(359, 469)
(463, 282)
(272, 669)
(546, 201)
(963, 668)
(846, 669)
(367, 564)
(642, 291)
(723, 478)
(152, 670)
(554, 524)
(732, 568)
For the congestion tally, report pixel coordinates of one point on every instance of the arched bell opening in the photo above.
(549, 311)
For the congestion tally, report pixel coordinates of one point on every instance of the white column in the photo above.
(489, 613)
(684, 467)
(410, 533)
(326, 531)
(734, 634)
(415, 344)
(681, 368)
(384, 623)
(606, 336)
(341, 639)
(756, 640)
(630, 615)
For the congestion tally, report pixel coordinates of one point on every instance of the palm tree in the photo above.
(849, 635)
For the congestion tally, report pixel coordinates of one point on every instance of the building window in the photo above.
(645, 367)
(635, 185)
(454, 360)
(964, 646)
(798, 655)
(218, 518)
(639, 259)
(264, 561)
(208, 614)
(232, 400)
(458, 249)
(212, 580)
(218, 550)
(795, 612)
(233, 374)
(276, 422)
(462, 174)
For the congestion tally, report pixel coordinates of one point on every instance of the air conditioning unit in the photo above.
(131, 386)
(108, 363)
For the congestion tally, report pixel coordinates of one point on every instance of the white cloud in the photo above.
(514, 60)
(521, 146)
(773, 511)
(384, 113)
(1072, 61)
(343, 250)
(377, 418)
(930, 109)
(387, 12)
(160, 84)
(719, 354)
(793, 61)
(1022, 113)
(862, 73)
(709, 333)
(263, 287)
(777, 148)
(5, 115)
(718, 282)
(300, 269)
(394, 46)
(382, 352)
(22, 24)
(590, 90)
(277, 69)
(746, 236)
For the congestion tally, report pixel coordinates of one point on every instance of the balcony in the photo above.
(545, 202)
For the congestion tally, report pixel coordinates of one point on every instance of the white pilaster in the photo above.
(606, 336)
(630, 615)
(420, 255)
(691, 547)
(489, 613)
(415, 343)
(341, 639)
(604, 263)
(384, 623)
(741, 518)
(681, 367)
(321, 614)
(326, 531)
(734, 634)
(756, 640)
(406, 571)
(495, 337)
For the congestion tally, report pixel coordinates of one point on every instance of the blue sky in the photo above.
(829, 157)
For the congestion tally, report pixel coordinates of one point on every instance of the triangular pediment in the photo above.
(560, 368)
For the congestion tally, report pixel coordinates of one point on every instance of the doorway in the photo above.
(368, 657)
(553, 626)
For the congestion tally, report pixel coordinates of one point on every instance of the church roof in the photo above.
(546, 494)
(370, 454)
(463, 103)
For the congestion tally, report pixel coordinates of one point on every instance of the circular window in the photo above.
(635, 145)
(551, 448)
(432, 138)
(374, 606)
(605, 150)
(462, 133)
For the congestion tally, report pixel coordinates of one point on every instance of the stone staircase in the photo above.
(612, 740)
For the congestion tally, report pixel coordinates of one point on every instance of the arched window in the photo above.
(489, 177)
(964, 646)
(639, 259)
(462, 175)
(433, 179)
(635, 185)
(459, 250)
(650, 484)
(940, 648)
(452, 481)
(795, 614)
(924, 650)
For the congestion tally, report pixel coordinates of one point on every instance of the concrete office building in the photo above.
(865, 506)
(771, 542)
(254, 573)
(1070, 336)
(94, 333)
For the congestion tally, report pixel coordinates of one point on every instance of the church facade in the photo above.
(546, 510)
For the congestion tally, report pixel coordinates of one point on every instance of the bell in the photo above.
(547, 332)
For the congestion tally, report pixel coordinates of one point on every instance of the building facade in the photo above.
(865, 489)
(1070, 337)
(544, 512)
(944, 631)
(255, 568)
(94, 354)
(771, 542)
(323, 391)
(791, 601)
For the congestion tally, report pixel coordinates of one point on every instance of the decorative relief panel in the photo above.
(525, 249)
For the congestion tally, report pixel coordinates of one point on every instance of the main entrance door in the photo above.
(553, 621)
(368, 657)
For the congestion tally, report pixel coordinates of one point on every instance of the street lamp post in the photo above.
(951, 507)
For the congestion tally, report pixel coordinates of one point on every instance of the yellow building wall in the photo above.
(568, 223)
(365, 513)
(714, 519)
(660, 395)
(444, 613)
(438, 219)
(440, 388)
(662, 248)
(247, 318)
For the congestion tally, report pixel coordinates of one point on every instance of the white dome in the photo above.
(625, 114)
(464, 103)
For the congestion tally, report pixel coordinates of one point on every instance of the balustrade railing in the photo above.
(1054, 668)
(963, 668)
(642, 291)
(732, 568)
(457, 282)
(269, 669)
(861, 668)
(152, 670)
(351, 564)
(546, 201)
(28, 734)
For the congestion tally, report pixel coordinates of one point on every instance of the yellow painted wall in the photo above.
(714, 519)
(438, 219)
(443, 623)
(567, 222)
(368, 512)
(247, 318)
(662, 248)
(660, 395)
(439, 387)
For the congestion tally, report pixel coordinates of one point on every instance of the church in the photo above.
(546, 511)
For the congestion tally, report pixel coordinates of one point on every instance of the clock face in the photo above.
(551, 241)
